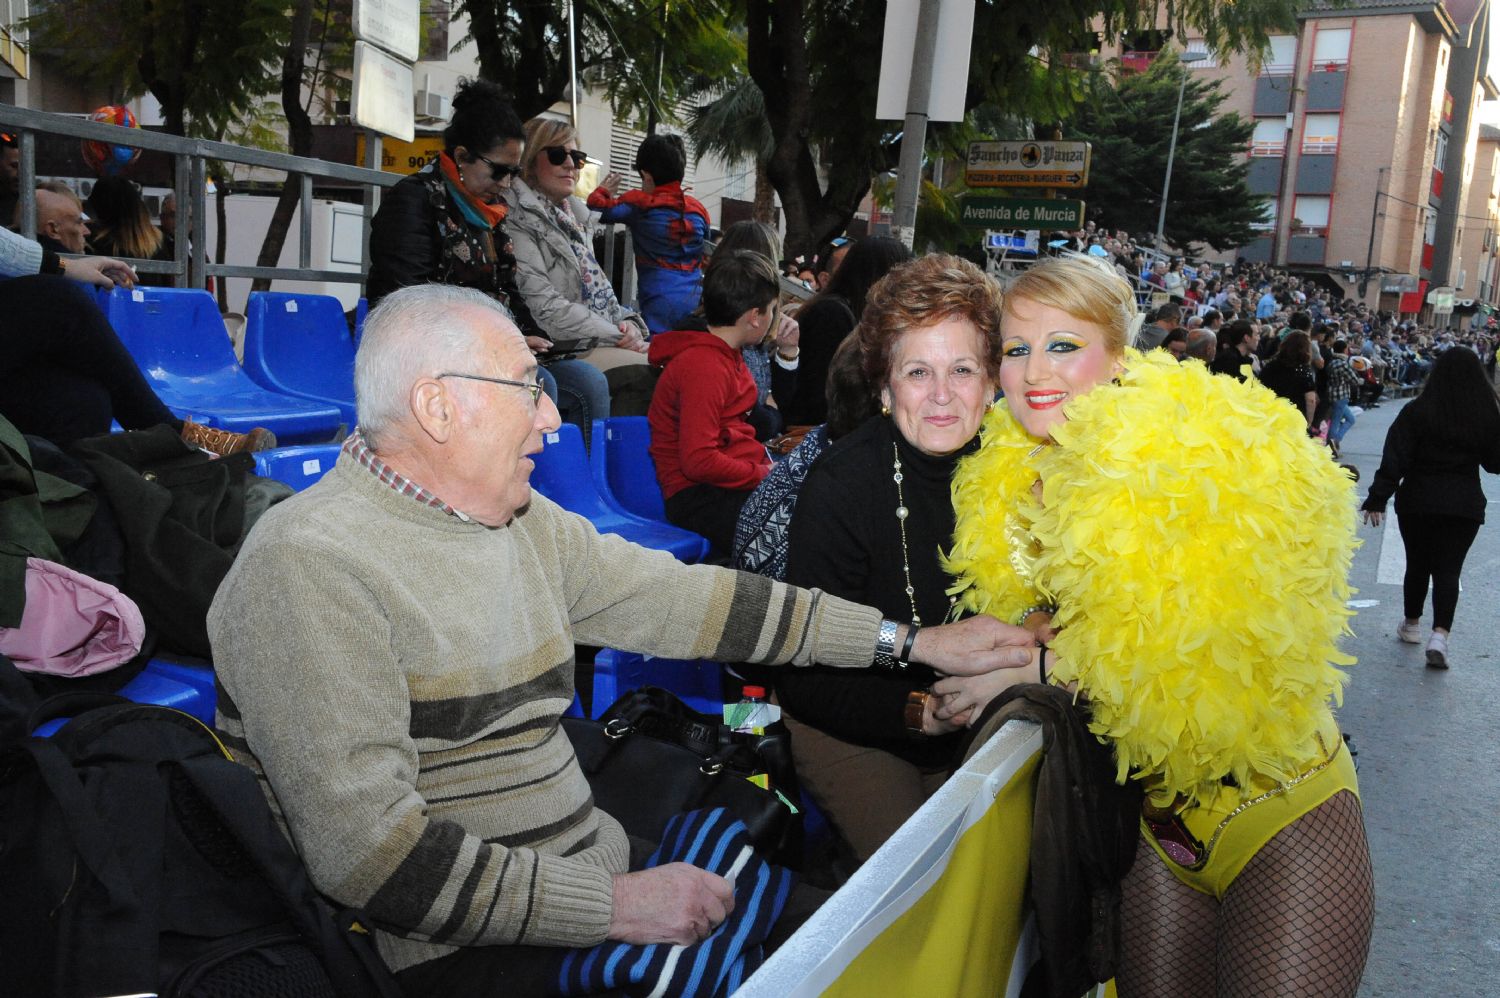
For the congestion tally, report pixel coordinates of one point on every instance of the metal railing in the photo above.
(191, 266)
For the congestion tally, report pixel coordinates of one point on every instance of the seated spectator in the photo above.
(64, 374)
(1176, 343)
(667, 225)
(61, 225)
(120, 225)
(707, 457)
(829, 317)
(446, 224)
(830, 259)
(558, 276)
(1165, 319)
(869, 748)
(394, 648)
(1202, 344)
(10, 175)
(1235, 356)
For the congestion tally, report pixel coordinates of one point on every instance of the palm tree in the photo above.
(733, 127)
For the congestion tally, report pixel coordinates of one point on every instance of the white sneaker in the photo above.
(1410, 633)
(1356, 411)
(1437, 651)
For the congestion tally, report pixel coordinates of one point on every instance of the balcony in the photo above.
(1256, 251)
(1265, 175)
(1325, 88)
(1315, 174)
(1273, 96)
(1137, 62)
(1307, 246)
(1437, 183)
(1427, 256)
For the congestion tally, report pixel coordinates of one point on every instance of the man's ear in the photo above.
(432, 407)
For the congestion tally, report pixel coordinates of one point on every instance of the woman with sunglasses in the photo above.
(565, 288)
(446, 224)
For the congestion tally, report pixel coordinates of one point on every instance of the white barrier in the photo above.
(940, 908)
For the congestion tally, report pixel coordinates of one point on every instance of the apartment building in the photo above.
(1480, 248)
(1366, 130)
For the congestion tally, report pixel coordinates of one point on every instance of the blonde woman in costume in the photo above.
(1115, 496)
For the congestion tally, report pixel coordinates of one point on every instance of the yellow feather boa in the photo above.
(1197, 544)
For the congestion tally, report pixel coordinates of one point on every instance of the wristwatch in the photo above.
(885, 645)
(916, 707)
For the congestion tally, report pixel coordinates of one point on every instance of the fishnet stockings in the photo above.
(1296, 921)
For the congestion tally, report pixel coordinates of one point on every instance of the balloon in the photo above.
(105, 159)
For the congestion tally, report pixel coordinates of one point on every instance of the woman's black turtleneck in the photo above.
(845, 539)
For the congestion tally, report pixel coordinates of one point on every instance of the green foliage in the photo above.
(206, 63)
(733, 125)
(1129, 122)
(623, 47)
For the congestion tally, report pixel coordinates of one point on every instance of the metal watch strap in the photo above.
(885, 644)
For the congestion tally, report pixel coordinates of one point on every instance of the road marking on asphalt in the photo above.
(1392, 567)
(1361, 604)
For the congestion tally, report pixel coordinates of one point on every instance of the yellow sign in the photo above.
(402, 157)
(1028, 164)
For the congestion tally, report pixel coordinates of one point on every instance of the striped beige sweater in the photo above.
(395, 675)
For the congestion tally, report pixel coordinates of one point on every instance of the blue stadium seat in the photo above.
(299, 345)
(628, 472)
(298, 467)
(361, 309)
(563, 475)
(184, 686)
(177, 337)
(698, 683)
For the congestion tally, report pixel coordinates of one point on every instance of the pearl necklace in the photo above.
(901, 513)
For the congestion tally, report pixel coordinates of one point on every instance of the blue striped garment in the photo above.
(715, 841)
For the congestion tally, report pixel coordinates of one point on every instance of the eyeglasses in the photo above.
(556, 155)
(534, 389)
(498, 171)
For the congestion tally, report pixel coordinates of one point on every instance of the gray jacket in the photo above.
(548, 276)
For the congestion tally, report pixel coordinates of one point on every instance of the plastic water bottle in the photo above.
(751, 713)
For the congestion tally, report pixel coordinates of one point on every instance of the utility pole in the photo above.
(914, 131)
(1364, 283)
(1166, 185)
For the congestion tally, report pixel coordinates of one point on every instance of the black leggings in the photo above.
(64, 374)
(1435, 548)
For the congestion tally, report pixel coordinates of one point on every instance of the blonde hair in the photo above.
(1086, 290)
(541, 133)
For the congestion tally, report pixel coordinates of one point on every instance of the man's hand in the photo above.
(677, 903)
(971, 647)
(100, 271)
(538, 344)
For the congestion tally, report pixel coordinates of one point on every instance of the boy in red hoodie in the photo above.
(707, 457)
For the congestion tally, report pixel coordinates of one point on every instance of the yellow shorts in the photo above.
(1233, 829)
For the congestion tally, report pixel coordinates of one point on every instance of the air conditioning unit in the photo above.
(431, 104)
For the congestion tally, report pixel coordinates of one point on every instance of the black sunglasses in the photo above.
(556, 155)
(498, 171)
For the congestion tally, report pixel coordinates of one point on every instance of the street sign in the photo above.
(950, 73)
(394, 25)
(1022, 213)
(382, 98)
(1028, 164)
(403, 157)
(1441, 300)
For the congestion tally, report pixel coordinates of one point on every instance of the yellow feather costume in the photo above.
(1197, 545)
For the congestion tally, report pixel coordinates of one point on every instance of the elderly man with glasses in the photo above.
(395, 649)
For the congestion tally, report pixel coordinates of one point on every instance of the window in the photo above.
(1269, 138)
(1331, 48)
(1269, 220)
(1280, 57)
(1429, 234)
(1440, 154)
(1311, 212)
(1320, 133)
(1199, 46)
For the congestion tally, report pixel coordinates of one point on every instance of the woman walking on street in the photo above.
(1433, 452)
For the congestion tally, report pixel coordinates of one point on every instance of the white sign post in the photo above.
(382, 98)
(394, 25)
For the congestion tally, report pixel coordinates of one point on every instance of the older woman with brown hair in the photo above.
(566, 290)
(873, 517)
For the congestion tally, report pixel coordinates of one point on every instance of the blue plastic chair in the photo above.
(299, 345)
(627, 471)
(184, 686)
(698, 683)
(563, 475)
(298, 467)
(361, 309)
(177, 337)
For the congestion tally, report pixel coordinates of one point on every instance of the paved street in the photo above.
(1429, 762)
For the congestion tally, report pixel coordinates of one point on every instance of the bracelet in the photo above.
(916, 707)
(911, 638)
(1035, 608)
(1041, 665)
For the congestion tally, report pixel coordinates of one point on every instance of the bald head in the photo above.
(59, 216)
(1202, 344)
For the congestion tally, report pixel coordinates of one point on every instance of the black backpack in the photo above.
(137, 857)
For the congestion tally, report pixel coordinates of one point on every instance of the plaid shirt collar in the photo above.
(366, 458)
